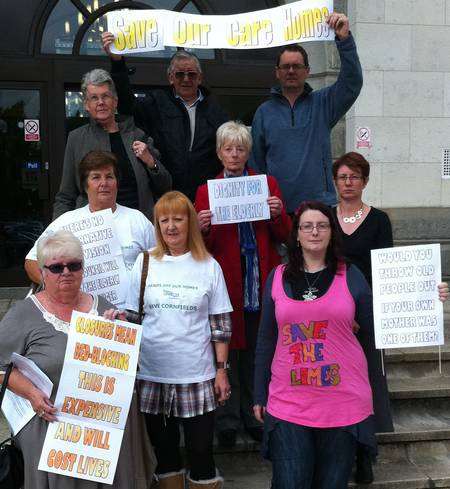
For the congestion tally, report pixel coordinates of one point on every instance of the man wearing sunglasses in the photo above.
(292, 131)
(182, 119)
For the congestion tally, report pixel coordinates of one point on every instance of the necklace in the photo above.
(352, 219)
(309, 295)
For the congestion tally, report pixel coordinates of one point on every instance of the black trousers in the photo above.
(164, 432)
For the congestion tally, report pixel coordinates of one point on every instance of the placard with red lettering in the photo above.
(93, 398)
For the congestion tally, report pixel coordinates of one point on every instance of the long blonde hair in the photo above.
(177, 203)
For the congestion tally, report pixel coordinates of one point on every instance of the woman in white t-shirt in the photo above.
(132, 231)
(184, 351)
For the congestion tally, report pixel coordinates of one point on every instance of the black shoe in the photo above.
(364, 472)
(227, 438)
(256, 432)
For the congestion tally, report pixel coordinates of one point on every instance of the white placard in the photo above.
(148, 30)
(17, 410)
(238, 199)
(104, 272)
(407, 310)
(93, 398)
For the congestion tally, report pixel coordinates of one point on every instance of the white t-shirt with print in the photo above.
(134, 232)
(180, 294)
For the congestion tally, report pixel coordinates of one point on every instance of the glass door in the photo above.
(24, 195)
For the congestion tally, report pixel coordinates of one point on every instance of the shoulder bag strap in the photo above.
(143, 281)
(5, 382)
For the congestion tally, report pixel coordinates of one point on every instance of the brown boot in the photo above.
(170, 480)
(216, 483)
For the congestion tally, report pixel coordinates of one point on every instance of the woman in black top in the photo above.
(364, 228)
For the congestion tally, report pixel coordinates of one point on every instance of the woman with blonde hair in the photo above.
(184, 350)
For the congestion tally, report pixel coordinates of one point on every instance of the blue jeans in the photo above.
(310, 458)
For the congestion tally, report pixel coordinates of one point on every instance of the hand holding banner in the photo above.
(138, 31)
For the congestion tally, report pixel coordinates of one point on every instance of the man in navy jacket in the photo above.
(291, 131)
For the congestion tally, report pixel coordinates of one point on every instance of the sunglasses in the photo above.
(58, 268)
(191, 75)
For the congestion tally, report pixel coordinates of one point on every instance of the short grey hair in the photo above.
(235, 132)
(182, 56)
(59, 243)
(97, 77)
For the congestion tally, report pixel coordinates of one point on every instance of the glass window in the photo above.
(61, 28)
(92, 5)
(65, 20)
(23, 174)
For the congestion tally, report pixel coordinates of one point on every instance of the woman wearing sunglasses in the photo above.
(37, 328)
(99, 175)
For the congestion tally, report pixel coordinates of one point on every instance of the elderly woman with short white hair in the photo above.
(142, 175)
(37, 328)
(247, 252)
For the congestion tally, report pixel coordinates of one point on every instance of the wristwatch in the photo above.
(224, 365)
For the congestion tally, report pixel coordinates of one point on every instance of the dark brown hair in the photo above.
(355, 162)
(295, 266)
(95, 160)
(293, 48)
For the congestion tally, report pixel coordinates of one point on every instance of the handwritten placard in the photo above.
(238, 199)
(104, 270)
(407, 310)
(93, 398)
(150, 30)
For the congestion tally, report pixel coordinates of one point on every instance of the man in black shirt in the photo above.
(182, 119)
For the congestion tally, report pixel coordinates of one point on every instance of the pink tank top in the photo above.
(319, 371)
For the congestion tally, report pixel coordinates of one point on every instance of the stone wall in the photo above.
(404, 47)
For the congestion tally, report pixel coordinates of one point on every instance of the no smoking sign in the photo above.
(363, 138)
(31, 130)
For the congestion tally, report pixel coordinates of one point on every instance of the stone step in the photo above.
(419, 388)
(415, 466)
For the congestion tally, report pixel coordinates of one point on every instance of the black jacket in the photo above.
(164, 117)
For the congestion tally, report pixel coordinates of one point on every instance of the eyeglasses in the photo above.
(352, 178)
(309, 226)
(295, 67)
(58, 268)
(191, 75)
(104, 97)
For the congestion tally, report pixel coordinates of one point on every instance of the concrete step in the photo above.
(419, 388)
(419, 466)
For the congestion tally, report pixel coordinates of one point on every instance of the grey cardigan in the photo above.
(92, 137)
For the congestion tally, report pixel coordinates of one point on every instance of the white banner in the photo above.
(407, 310)
(138, 31)
(238, 199)
(104, 268)
(93, 398)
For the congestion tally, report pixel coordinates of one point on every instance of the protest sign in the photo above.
(407, 310)
(104, 270)
(238, 199)
(138, 31)
(93, 398)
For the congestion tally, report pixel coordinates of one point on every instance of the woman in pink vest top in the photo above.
(311, 380)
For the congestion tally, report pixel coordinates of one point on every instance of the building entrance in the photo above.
(24, 185)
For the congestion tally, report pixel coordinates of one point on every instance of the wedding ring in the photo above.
(41, 413)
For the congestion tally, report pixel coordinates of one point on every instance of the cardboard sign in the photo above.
(31, 130)
(138, 31)
(238, 199)
(93, 398)
(407, 310)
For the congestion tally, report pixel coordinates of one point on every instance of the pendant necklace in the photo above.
(309, 295)
(352, 219)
